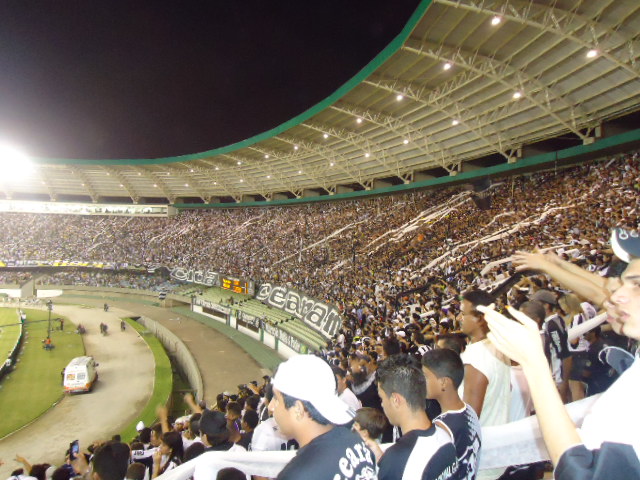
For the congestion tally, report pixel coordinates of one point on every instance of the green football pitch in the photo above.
(35, 383)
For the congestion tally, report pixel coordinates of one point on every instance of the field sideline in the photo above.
(35, 383)
(8, 334)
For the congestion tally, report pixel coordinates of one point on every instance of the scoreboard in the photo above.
(236, 285)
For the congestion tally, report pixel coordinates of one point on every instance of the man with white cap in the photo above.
(307, 408)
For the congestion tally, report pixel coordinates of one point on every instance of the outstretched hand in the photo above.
(520, 340)
(536, 260)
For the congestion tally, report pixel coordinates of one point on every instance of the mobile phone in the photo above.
(74, 449)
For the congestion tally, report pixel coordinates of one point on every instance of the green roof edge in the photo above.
(563, 156)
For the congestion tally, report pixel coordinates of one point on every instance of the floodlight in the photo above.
(15, 165)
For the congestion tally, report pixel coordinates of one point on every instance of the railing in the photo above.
(179, 351)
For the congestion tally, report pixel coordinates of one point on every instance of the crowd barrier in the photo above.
(178, 351)
(10, 361)
(272, 336)
(514, 443)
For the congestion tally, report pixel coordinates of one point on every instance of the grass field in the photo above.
(35, 383)
(162, 385)
(8, 334)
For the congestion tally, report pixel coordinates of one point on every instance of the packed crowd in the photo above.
(155, 283)
(14, 278)
(417, 277)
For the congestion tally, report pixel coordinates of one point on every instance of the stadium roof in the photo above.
(464, 80)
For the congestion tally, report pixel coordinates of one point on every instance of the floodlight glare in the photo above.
(446, 66)
(592, 53)
(14, 164)
(496, 20)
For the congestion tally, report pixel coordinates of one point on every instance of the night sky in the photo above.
(109, 79)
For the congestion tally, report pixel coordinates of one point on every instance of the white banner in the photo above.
(201, 277)
(319, 315)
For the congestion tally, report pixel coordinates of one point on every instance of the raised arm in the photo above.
(520, 340)
(586, 284)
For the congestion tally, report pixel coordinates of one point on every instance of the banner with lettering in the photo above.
(323, 317)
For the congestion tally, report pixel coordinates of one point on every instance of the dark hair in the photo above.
(234, 407)
(194, 424)
(535, 310)
(251, 418)
(111, 460)
(444, 362)
(452, 342)
(62, 473)
(136, 445)
(252, 402)
(338, 372)
(315, 415)
(173, 440)
(218, 438)
(372, 420)
(268, 392)
(136, 471)
(145, 435)
(230, 473)
(157, 428)
(478, 297)
(401, 374)
(194, 450)
(390, 346)
(39, 470)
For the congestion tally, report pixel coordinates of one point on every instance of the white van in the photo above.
(80, 375)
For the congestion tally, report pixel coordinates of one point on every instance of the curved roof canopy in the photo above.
(465, 79)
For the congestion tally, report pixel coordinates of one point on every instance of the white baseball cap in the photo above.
(309, 378)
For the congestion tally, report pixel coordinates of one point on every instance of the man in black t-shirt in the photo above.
(307, 408)
(425, 451)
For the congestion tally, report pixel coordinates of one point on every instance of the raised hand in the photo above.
(520, 340)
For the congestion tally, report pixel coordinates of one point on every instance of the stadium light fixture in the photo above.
(331, 164)
(155, 185)
(15, 165)
(592, 53)
(266, 156)
(241, 180)
(239, 162)
(359, 120)
(326, 135)
(399, 97)
(299, 172)
(367, 155)
(295, 147)
(217, 168)
(455, 122)
(447, 66)
(405, 141)
(517, 95)
(186, 184)
(268, 176)
(191, 170)
(496, 20)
